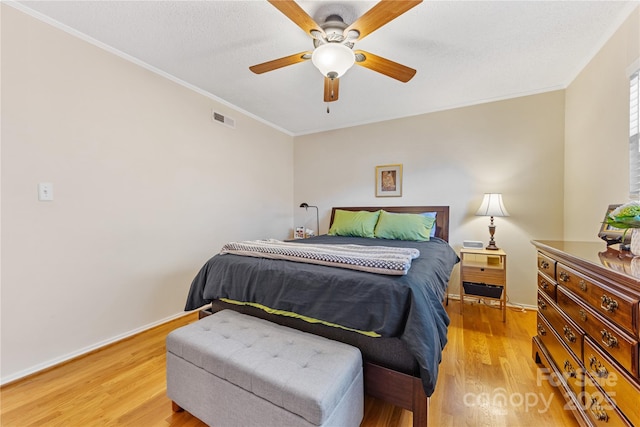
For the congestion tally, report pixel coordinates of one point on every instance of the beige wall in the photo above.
(146, 189)
(596, 170)
(514, 147)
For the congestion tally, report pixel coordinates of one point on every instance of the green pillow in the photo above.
(404, 227)
(355, 224)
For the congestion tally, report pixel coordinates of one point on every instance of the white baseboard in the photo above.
(58, 360)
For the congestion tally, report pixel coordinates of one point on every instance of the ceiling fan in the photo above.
(333, 43)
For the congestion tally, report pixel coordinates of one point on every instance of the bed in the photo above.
(397, 320)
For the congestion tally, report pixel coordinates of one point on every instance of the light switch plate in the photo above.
(45, 191)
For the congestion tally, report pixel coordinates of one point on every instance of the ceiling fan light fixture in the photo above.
(333, 58)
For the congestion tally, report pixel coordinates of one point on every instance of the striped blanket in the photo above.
(373, 259)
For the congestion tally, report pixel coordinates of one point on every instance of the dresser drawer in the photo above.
(547, 285)
(489, 276)
(571, 369)
(623, 390)
(612, 339)
(547, 265)
(569, 333)
(600, 410)
(613, 306)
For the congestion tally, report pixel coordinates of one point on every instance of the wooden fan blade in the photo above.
(379, 15)
(331, 87)
(293, 11)
(280, 62)
(385, 66)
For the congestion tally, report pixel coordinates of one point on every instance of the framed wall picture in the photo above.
(389, 181)
(610, 234)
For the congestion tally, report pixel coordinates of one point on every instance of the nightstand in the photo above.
(483, 273)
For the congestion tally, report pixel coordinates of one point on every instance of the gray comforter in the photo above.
(409, 306)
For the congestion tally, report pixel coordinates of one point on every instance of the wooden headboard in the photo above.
(442, 217)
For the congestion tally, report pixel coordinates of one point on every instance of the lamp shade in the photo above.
(492, 205)
(333, 59)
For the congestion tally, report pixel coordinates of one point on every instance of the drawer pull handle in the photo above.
(541, 330)
(583, 285)
(544, 284)
(608, 339)
(583, 315)
(608, 304)
(598, 411)
(564, 277)
(568, 334)
(542, 304)
(543, 264)
(569, 369)
(597, 368)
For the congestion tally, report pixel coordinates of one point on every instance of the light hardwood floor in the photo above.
(487, 378)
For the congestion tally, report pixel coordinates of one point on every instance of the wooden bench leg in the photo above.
(175, 407)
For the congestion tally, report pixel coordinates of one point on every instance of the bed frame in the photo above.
(400, 386)
(388, 385)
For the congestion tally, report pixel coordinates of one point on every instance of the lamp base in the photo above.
(492, 244)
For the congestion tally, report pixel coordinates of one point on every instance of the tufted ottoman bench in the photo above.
(230, 369)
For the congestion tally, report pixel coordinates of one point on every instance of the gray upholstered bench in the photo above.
(230, 369)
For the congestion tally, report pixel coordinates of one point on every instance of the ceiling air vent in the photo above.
(220, 118)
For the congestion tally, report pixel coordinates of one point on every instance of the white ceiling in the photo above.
(466, 52)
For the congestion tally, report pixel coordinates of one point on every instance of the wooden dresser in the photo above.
(588, 329)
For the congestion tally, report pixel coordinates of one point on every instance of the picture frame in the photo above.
(613, 235)
(389, 181)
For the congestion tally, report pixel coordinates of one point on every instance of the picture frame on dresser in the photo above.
(612, 235)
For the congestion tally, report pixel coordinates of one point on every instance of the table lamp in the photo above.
(306, 206)
(492, 206)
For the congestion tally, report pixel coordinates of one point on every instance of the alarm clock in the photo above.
(472, 244)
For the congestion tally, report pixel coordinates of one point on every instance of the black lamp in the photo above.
(306, 207)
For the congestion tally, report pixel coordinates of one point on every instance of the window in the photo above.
(634, 136)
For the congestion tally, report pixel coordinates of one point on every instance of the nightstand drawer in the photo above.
(611, 305)
(622, 389)
(483, 273)
(491, 276)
